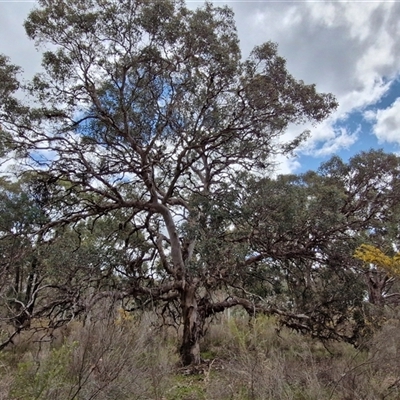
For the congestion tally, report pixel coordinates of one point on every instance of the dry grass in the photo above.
(124, 357)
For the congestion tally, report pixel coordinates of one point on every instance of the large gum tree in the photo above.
(147, 107)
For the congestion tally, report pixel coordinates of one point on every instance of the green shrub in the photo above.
(45, 379)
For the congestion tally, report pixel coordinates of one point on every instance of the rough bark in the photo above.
(377, 284)
(193, 323)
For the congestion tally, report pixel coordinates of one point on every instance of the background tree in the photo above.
(50, 278)
(303, 231)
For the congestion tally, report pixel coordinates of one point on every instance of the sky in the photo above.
(348, 48)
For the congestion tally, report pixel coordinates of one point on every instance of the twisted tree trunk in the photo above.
(193, 323)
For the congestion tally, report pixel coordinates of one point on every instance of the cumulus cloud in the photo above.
(341, 46)
(386, 123)
(286, 165)
(329, 138)
(347, 48)
(13, 41)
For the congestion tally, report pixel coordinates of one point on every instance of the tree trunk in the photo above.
(376, 286)
(193, 323)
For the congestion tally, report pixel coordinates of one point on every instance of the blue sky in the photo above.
(356, 121)
(349, 48)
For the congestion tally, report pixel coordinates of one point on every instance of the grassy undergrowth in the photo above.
(128, 358)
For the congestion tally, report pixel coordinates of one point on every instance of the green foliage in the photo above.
(44, 379)
(186, 387)
(8, 75)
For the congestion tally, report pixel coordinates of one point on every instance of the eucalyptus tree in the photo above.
(310, 227)
(50, 276)
(148, 107)
(20, 219)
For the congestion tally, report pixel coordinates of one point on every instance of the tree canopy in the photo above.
(151, 141)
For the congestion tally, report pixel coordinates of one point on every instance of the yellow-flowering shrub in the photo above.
(372, 255)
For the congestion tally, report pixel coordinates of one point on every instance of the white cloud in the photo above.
(328, 140)
(342, 139)
(386, 123)
(14, 42)
(286, 165)
(347, 48)
(359, 98)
